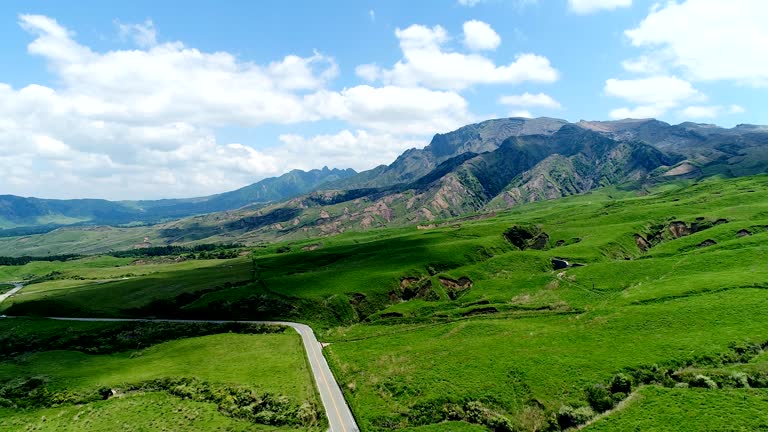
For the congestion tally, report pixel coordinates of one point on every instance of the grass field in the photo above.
(457, 328)
(263, 363)
(660, 409)
(134, 413)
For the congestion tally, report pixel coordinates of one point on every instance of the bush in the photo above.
(599, 398)
(702, 381)
(618, 397)
(737, 380)
(621, 383)
(758, 380)
(568, 416)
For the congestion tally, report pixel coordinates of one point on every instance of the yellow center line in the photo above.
(325, 380)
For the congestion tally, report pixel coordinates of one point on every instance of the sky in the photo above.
(150, 99)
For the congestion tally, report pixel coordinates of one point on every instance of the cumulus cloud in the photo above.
(479, 36)
(358, 149)
(394, 109)
(591, 6)
(426, 61)
(142, 123)
(709, 40)
(653, 95)
(530, 100)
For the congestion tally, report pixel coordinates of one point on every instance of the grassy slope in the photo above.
(134, 413)
(113, 284)
(270, 362)
(660, 409)
(554, 332)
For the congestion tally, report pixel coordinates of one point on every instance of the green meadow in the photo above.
(466, 325)
(64, 389)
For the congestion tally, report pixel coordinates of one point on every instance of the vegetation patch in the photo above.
(676, 229)
(121, 337)
(527, 237)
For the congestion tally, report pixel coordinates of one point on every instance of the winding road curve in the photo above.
(16, 288)
(339, 415)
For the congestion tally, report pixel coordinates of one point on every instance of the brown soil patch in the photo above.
(642, 243)
(456, 288)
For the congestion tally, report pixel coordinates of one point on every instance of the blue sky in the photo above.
(148, 99)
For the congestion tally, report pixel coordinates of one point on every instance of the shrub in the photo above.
(618, 397)
(737, 380)
(599, 398)
(758, 380)
(621, 383)
(702, 381)
(568, 416)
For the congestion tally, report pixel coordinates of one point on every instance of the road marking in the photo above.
(330, 393)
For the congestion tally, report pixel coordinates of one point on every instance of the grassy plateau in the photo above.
(617, 310)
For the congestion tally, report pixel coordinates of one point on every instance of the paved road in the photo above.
(17, 287)
(336, 409)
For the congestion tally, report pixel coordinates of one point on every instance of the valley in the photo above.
(476, 323)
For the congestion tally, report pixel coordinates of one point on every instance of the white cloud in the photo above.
(521, 113)
(415, 111)
(654, 95)
(710, 111)
(359, 149)
(591, 6)
(658, 90)
(427, 62)
(646, 65)
(709, 40)
(372, 14)
(141, 123)
(640, 112)
(530, 100)
(469, 3)
(480, 36)
(699, 111)
(143, 35)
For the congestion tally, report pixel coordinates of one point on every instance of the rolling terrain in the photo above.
(640, 304)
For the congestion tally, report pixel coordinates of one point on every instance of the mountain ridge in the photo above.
(22, 213)
(488, 167)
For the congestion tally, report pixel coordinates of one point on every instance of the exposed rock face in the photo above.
(456, 288)
(674, 230)
(706, 243)
(743, 233)
(559, 264)
(411, 288)
(679, 229)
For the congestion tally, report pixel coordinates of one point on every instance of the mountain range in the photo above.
(19, 214)
(479, 168)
